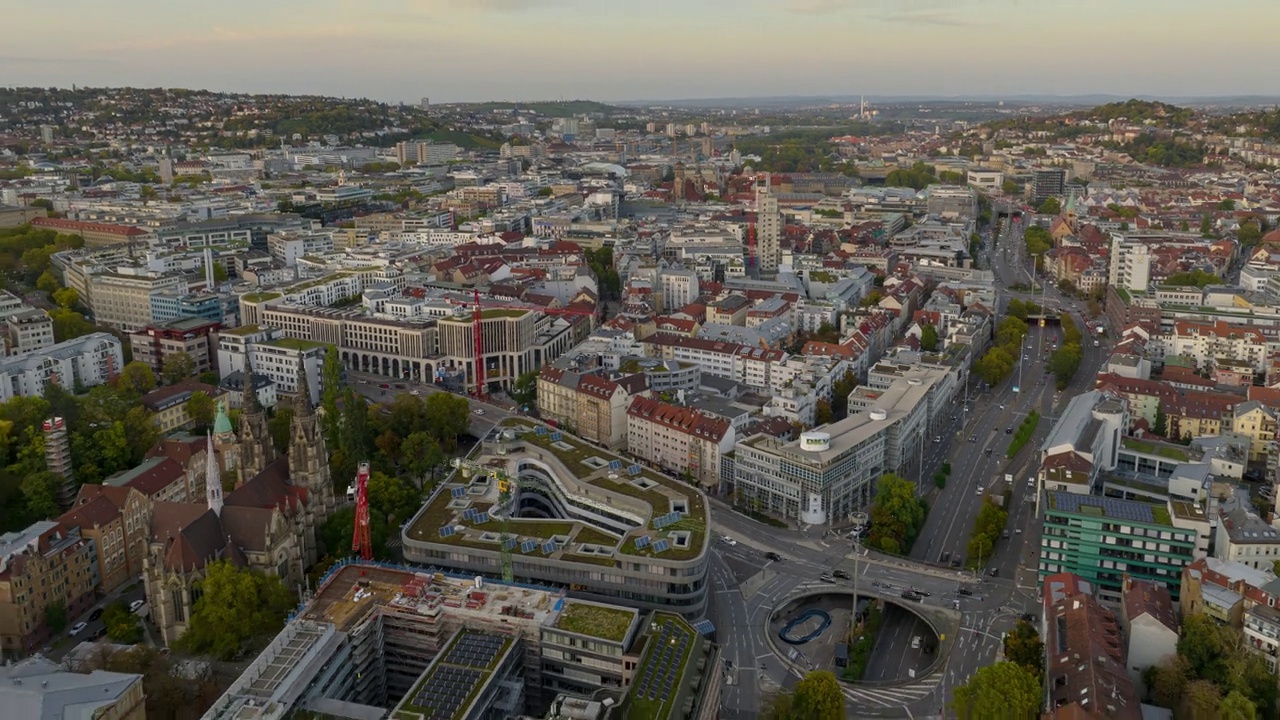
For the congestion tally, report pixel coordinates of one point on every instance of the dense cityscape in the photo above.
(319, 407)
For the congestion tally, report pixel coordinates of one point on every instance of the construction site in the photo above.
(378, 642)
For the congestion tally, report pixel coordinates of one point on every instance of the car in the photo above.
(1008, 430)
(957, 561)
(973, 438)
(100, 632)
(478, 411)
(729, 541)
(97, 613)
(826, 578)
(1029, 617)
(1005, 534)
(1002, 407)
(994, 572)
(946, 558)
(921, 593)
(136, 605)
(1017, 531)
(988, 452)
(915, 643)
(908, 595)
(965, 592)
(979, 491)
(775, 557)
(384, 386)
(841, 574)
(937, 439)
(415, 391)
(77, 629)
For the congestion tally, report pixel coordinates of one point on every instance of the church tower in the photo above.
(213, 480)
(308, 457)
(256, 450)
(225, 441)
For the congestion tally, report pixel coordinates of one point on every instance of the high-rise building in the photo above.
(46, 134)
(1047, 183)
(768, 228)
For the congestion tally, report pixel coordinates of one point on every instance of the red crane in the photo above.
(361, 543)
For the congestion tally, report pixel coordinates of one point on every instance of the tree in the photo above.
(279, 428)
(69, 324)
(393, 498)
(1235, 706)
(47, 282)
(896, 514)
(178, 367)
(235, 605)
(929, 338)
(1201, 700)
(525, 390)
(330, 390)
(200, 409)
(40, 490)
(1184, 226)
(1167, 682)
(421, 454)
(818, 697)
(1207, 646)
(1022, 645)
(122, 626)
(55, 616)
(1227, 205)
(1050, 206)
(448, 416)
(1161, 426)
(65, 297)
(1206, 227)
(822, 412)
(1250, 233)
(1009, 187)
(136, 378)
(1004, 690)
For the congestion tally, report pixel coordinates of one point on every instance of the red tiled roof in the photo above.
(684, 419)
(81, 226)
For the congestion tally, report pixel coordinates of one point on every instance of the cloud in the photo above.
(488, 6)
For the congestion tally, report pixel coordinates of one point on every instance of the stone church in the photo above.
(268, 519)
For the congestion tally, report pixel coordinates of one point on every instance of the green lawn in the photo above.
(600, 621)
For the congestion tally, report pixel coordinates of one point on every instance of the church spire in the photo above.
(212, 479)
(304, 406)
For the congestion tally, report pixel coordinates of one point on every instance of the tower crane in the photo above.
(506, 506)
(361, 542)
(478, 327)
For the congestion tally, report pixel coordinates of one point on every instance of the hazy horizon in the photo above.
(524, 50)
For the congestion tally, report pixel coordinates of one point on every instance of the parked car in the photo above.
(78, 628)
(1008, 430)
(136, 605)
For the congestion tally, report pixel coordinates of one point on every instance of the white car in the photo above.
(915, 643)
(415, 392)
(979, 492)
(78, 628)
(478, 411)
(136, 605)
(729, 541)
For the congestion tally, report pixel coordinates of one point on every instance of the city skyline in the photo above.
(521, 50)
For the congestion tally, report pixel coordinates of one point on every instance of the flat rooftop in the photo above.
(1110, 508)
(665, 518)
(453, 681)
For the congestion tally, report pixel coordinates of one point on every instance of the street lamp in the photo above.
(859, 520)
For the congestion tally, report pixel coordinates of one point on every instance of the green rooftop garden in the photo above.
(1161, 515)
(602, 621)
(638, 708)
(296, 344)
(242, 330)
(1151, 448)
(1124, 295)
(261, 296)
(503, 312)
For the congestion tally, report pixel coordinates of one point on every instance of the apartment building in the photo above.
(1243, 536)
(269, 353)
(1101, 539)
(680, 440)
(731, 310)
(44, 565)
(1085, 672)
(28, 330)
(169, 404)
(85, 361)
(94, 233)
(214, 307)
(1206, 344)
(1130, 268)
(115, 519)
(768, 229)
(1225, 590)
(40, 688)
(1150, 624)
(591, 404)
(195, 337)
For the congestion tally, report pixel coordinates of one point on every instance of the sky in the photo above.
(617, 50)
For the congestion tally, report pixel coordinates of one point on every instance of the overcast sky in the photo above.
(466, 50)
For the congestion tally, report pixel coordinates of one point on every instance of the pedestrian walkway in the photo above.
(894, 696)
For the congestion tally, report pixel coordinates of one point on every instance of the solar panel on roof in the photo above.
(704, 627)
(557, 437)
(615, 464)
(635, 470)
(469, 514)
(508, 544)
(481, 518)
(458, 492)
(548, 547)
(447, 531)
(528, 546)
(541, 431)
(642, 542)
(661, 546)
